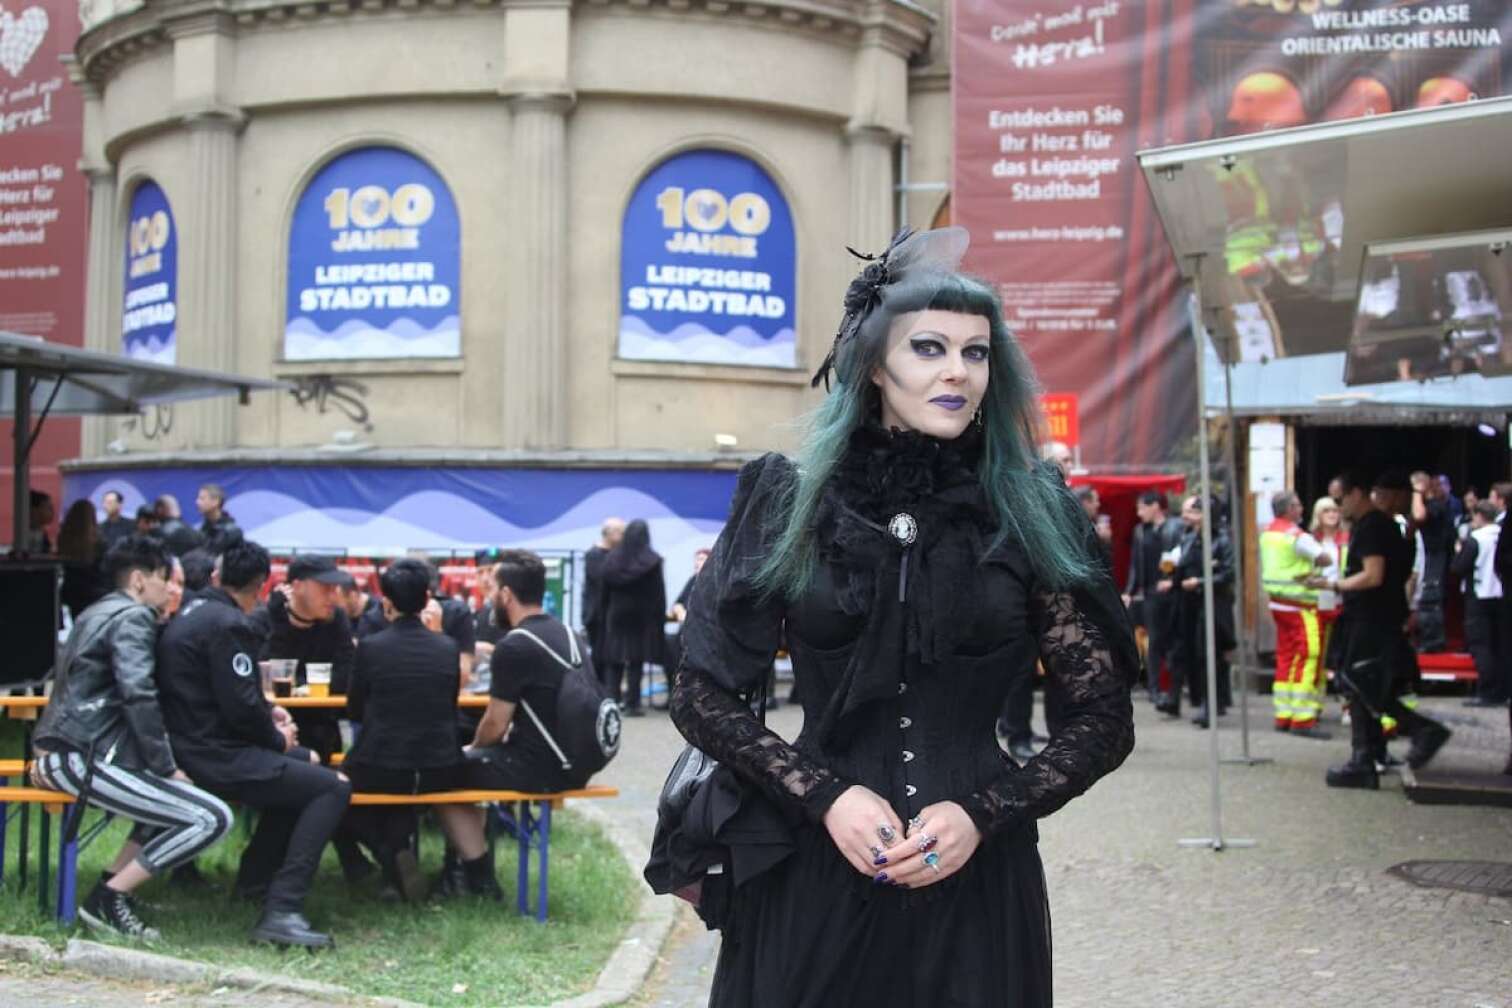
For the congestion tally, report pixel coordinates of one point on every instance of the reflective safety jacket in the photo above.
(1282, 567)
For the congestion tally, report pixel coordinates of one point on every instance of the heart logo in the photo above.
(20, 37)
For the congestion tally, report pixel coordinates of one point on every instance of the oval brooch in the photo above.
(903, 528)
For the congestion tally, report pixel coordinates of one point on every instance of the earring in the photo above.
(977, 417)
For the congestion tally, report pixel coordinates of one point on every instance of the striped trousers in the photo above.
(183, 820)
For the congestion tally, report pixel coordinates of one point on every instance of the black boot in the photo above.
(1427, 740)
(453, 878)
(289, 928)
(479, 878)
(1359, 772)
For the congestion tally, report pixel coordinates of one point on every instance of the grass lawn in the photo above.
(461, 952)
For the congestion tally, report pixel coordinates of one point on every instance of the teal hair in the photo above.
(1029, 499)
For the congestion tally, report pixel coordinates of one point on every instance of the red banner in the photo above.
(43, 209)
(1052, 100)
(1062, 419)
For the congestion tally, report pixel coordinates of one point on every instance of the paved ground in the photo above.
(1308, 919)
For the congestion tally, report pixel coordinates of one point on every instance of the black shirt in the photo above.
(1376, 534)
(523, 671)
(372, 619)
(404, 691)
(485, 630)
(330, 641)
(457, 623)
(113, 530)
(1438, 535)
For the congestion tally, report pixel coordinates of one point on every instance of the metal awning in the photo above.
(1273, 227)
(41, 379)
(68, 381)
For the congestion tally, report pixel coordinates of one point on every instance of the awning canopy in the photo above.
(85, 383)
(1273, 227)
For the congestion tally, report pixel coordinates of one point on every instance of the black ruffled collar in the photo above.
(884, 471)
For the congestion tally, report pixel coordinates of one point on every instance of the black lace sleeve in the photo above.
(729, 640)
(1098, 728)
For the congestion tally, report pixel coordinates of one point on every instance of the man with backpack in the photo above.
(549, 725)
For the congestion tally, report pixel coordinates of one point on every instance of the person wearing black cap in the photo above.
(304, 621)
(1371, 649)
(234, 743)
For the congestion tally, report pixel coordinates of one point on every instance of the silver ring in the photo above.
(876, 851)
(886, 833)
(916, 823)
(927, 841)
(932, 859)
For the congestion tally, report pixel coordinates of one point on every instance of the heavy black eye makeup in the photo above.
(931, 346)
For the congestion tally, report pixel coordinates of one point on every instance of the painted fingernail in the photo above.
(879, 860)
(881, 879)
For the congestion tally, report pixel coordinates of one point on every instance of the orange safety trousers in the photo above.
(1298, 690)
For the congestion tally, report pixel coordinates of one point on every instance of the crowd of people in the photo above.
(160, 714)
(1357, 586)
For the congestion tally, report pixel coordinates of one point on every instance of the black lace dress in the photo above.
(903, 657)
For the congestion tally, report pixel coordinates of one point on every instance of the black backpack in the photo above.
(588, 722)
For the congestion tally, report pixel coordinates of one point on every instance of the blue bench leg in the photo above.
(68, 875)
(543, 841)
(4, 820)
(44, 856)
(522, 871)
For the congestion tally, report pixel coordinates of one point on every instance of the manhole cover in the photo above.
(1490, 878)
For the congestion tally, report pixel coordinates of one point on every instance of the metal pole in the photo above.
(21, 468)
(1248, 657)
(902, 184)
(1215, 840)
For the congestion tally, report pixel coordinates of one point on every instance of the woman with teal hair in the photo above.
(915, 560)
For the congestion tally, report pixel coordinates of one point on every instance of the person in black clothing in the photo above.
(594, 602)
(218, 528)
(179, 536)
(302, 621)
(1156, 535)
(456, 623)
(82, 550)
(679, 614)
(148, 523)
(404, 693)
(234, 743)
(1189, 659)
(199, 571)
(915, 561)
(1433, 518)
(116, 526)
(40, 515)
(103, 739)
(1487, 636)
(635, 615)
(1370, 647)
(509, 750)
(364, 611)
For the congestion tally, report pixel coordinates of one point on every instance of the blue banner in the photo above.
(149, 320)
(707, 265)
(374, 262)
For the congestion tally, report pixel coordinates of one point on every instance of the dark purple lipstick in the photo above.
(950, 402)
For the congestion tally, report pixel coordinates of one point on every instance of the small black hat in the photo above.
(316, 568)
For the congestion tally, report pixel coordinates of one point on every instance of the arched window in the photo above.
(374, 262)
(707, 265)
(149, 317)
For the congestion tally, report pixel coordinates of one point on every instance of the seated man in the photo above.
(102, 737)
(404, 692)
(510, 753)
(236, 744)
(303, 621)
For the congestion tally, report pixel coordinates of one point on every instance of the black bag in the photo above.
(588, 722)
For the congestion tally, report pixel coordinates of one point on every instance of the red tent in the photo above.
(1119, 494)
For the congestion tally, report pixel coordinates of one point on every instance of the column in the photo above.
(207, 266)
(870, 222)
(535, 397)
(106, 259)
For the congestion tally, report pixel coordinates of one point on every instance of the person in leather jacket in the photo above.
(102, 738)
(237, 744)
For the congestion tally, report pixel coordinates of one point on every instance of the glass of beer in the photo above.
(318, 678)
(282, 676)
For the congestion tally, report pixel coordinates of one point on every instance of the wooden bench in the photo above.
(529, 815)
